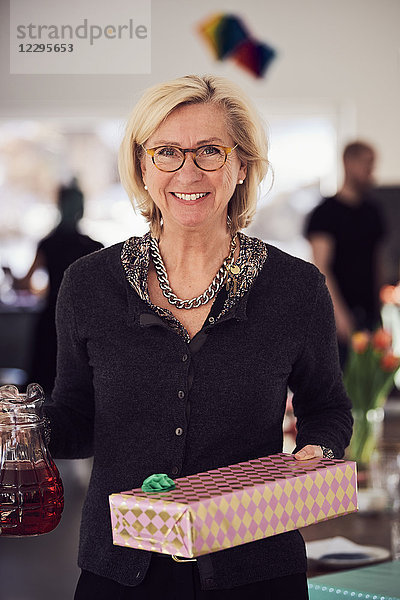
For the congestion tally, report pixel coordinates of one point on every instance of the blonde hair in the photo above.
(243, 123)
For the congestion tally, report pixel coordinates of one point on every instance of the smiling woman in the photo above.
(193, 192)
(176, 349)
(228, 108)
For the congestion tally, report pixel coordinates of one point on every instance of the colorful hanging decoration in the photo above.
(227, 37)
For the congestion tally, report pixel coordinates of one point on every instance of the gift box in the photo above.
(234, 505)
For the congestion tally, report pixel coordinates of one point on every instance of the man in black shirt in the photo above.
(345, 232)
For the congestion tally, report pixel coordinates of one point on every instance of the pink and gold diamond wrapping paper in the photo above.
(234, 505)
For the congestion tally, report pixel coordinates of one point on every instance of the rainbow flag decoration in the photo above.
(227, 37)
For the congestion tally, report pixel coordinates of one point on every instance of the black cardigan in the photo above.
(134, 393)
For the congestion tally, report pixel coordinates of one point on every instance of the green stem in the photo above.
(364, 439)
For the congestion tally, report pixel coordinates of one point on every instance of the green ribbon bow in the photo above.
(159, 482)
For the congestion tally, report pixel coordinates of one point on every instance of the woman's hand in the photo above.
(309, 452)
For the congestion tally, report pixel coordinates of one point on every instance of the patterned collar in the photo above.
(135, 258)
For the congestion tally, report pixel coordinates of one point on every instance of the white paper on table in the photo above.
(335, 545)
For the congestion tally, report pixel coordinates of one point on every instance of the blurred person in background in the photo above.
(63, 246)
(345, 232)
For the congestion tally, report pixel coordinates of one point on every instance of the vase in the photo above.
(367, 432)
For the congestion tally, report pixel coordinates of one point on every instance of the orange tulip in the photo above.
(381, 340)
(390, 362)
(360, 341)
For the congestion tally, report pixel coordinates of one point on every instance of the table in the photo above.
(369, 529)
(366, 528)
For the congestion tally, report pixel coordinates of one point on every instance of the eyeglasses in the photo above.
(172, 158)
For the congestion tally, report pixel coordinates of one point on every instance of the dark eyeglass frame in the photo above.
(227, 150)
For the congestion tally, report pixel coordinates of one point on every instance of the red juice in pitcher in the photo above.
(31, 499)
(31, 490)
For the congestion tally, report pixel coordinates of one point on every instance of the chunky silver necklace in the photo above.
(203, 298)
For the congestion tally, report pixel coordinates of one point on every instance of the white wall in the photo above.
(344, 54)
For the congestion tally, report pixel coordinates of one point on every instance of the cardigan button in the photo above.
(174, 470)
(181, 394)
(185, 357)
(179, 431)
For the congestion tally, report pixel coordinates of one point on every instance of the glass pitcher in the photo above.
(31, 490)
